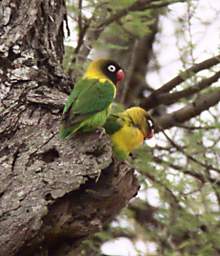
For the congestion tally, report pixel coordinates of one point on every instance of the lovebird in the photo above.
(88, 105)
(128, 130)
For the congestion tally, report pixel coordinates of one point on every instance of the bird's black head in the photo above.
(113, 71)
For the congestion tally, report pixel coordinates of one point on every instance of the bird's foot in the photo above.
(100, 131)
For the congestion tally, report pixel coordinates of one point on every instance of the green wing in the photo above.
(97, 97)
(88, 97)
(80, 86)
(113, 123)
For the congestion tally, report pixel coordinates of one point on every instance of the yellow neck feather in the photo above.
(94, 72)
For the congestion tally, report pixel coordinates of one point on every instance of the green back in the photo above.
(90, 96)
(97, 97)
(79, 87)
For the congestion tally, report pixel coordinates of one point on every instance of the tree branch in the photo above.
(202, 103)
(139, 5)
(141, 54)
(156, 99)
(170, 98)
(188, 74)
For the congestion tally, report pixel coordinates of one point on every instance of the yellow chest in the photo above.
(128, 138)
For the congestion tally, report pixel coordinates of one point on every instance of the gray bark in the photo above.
(53, 193)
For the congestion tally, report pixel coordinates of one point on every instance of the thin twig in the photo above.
(180, 149)
(196, 175)
(129, 73)
(80, 16)
(192, 128)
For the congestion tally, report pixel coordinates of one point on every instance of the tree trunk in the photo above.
(53, 193)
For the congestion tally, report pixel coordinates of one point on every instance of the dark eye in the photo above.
(111, 68)
(150, 123)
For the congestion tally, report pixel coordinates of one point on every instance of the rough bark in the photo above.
(53, 193)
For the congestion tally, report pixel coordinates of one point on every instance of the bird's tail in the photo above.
(67, 132)
(64, 132)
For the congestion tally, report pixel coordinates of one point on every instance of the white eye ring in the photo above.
(111, 68)
(150, 123)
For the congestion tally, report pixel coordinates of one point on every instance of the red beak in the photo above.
(120, 75)
(150, 134)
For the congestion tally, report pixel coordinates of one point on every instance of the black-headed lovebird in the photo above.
(88, 105)
(128, 130)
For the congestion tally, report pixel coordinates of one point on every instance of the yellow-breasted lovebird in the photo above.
(128, 130)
